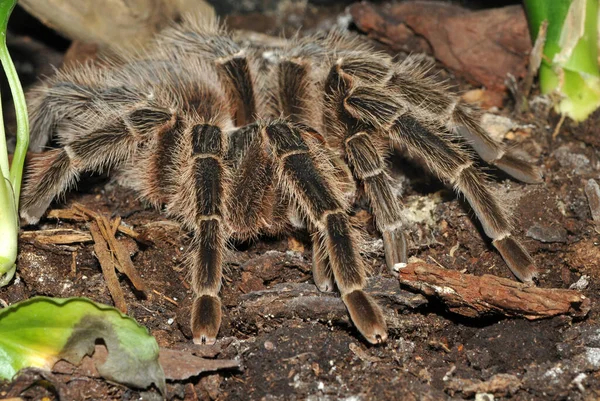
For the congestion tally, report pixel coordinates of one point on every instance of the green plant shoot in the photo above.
(569, 68)
(10, 184)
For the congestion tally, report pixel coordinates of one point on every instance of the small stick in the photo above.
(107, 264)
(60, 236)
(77, 215)
(124, 265)
(171, 300)
(74, 264)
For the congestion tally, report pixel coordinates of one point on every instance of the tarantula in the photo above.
(236, 140)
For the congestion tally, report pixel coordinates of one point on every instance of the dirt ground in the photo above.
(309, 350)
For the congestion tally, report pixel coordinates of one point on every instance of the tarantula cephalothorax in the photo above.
(236, 140)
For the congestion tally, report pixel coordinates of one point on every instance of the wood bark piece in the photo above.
(111, 23)
(108, 267)
(57, 236)
(77, 215)
(474, 296)
(481, 46)
(592, 191)
(305, 301)
(124, 263)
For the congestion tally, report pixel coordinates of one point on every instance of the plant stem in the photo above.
(10, 181)
(16, 168)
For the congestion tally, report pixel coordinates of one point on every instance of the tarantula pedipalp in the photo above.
(236, 141)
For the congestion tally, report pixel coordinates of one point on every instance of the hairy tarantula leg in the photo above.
(358, 111)
(209, 176)
(210, 41)
(236, 72)
(368, 166)
(252, 195)
(321, 270)
(454, 166)
(50, 104)
(423, 93)
(53, 172)
(323, 204)
(491, 151)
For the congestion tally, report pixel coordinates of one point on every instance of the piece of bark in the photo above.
(108, 267)
(378, 25)
(58, 236)
(474, 296)
(108, 230)
(113, 23)
(481, 46)
(305, 301)
(77, 215)
(592, 192)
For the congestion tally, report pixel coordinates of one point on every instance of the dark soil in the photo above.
(431, 355)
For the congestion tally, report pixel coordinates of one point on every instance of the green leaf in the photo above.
(41, 331)
(569, 68)
(6, 7)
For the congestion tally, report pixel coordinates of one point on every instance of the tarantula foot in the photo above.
(366, 316)
(324, 282)
(517, 259)
(32, 216)
(519, 169)
(321, 272)
(395, 248)
(206, 319)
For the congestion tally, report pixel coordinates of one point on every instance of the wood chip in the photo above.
(108, 267)
(474, 296)
(592, 191)
(60, 236)
(482, 46)
(78, 215)
(305, 301)
(107, 228)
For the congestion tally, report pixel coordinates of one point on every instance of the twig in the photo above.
(558, 126)
(59, 236)
(107, 264)
(124, 265)
(76, 215)
(171, 300)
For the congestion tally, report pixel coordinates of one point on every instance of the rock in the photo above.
(545, 233)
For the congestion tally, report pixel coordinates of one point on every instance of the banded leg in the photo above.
(321, 269)
(322, 203)
(55, 171)
(252, 197)
(296, 100)
(369, 167)
(416, 90)
(356, 112)
(452, 164)
(237, 75)
(201, 155)
(68, 97)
